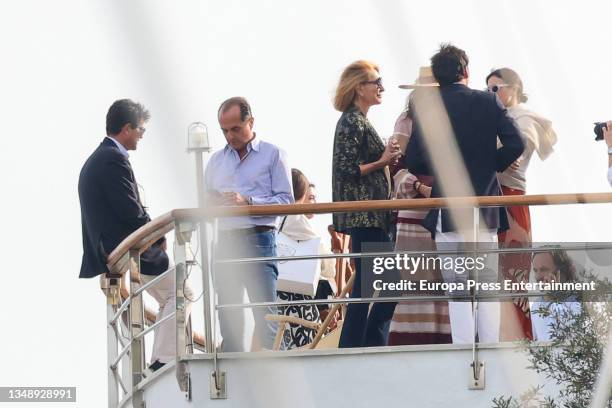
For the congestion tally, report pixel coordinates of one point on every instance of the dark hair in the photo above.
(242, 103)
(510, 77)
(449, 64)
(300, 184)
(563, 262)
(125, 111)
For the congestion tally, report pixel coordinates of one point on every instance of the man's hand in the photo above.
(233, 198)
(607, 133)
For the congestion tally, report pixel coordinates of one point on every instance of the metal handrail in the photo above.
(154, 325)
(138, 239)
(152, 282)
(146, 235)
(197, 214)
(388, 299)
(392, 253)
(122, 259)
(118, 379)
(120, 356)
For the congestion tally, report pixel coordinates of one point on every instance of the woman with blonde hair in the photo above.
(360, 172)
(539, 137)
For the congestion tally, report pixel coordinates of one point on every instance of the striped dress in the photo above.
(417, 322)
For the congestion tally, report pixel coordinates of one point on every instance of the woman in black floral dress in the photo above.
(360, 172)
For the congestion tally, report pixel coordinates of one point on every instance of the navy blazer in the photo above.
(477, 119)
(111, 210)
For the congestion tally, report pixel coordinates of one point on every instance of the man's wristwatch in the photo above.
(250, 200)
(610, 150)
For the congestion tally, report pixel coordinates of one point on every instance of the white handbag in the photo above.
(298, 276)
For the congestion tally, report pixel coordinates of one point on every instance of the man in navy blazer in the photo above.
(110, 204)
(111, 210)
(477, 119)
(455, 137)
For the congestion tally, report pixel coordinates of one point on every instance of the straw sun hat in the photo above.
(425, 79)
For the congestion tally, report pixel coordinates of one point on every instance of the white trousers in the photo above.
(461, 314)
(164, 343)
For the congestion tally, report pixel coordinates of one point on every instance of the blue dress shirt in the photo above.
(263, 174)
(122, 149)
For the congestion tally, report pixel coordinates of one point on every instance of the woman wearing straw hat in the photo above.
(416, 322)
(538, 135)
(360, 172)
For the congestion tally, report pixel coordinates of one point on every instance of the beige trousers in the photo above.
(164, 344)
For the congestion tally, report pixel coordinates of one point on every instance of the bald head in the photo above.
(240, 102)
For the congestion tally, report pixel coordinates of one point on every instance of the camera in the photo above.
(598, 129)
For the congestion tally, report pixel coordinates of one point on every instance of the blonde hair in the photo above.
(352, 76)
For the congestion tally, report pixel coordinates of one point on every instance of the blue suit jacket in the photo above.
(111, 210)
(477, 120)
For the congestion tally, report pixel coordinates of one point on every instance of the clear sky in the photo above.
(64, 62)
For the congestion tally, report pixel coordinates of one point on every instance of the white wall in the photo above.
(63, 63)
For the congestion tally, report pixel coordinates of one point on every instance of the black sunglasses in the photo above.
(496, 88)
(377, 82)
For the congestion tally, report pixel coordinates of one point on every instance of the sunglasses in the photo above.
(377, 82)
(496, 88)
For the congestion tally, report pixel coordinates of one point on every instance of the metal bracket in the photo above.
(188, 391)
(137, 400)
(184, 231)
(476, 375)
(183, 378)
(110, 287)
(218, 385)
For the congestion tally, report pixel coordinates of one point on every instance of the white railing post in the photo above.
(198, 134)
(111, 347)
(183, 233)
(110, 286)
(137, 323)
(477, 380)
(209, 295)
(218, 389)
(123, 329)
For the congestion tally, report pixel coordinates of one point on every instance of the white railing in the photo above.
(127, 315)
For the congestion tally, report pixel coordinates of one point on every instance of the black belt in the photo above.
(248, 231)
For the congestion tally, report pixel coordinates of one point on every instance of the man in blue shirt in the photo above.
(247, 171)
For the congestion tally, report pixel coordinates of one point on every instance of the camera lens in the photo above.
(598, 130)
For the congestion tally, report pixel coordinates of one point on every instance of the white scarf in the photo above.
(536, 129)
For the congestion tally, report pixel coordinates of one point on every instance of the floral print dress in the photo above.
(356, 142)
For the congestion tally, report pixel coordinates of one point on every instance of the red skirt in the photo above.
(515, 316)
